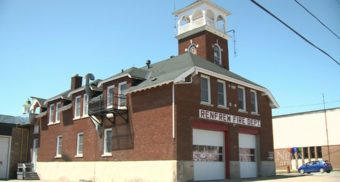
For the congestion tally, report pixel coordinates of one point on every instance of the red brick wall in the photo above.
(205, 41)
(188, 105)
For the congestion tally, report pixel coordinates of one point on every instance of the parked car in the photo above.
(316, 166)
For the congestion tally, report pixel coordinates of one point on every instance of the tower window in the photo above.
(192, 49)
(217, 54)
(220, 23)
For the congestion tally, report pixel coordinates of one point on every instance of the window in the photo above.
(110, 96)
(52, 113)
(207, 153)
(122, 96)
(312, 152)
(85, 105)
(253, 102)
(80, 144)
(192, 49)
(77, 107)
(221, 93)
(247, 154)
(58, 112)
(319, 151)
(241, 97)
(59, 145)
(217, 54)
(205, 89)
(107, 141)
(305, 152)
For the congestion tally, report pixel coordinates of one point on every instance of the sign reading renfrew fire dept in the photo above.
(217, 116)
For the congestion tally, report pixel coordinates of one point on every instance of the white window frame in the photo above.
(224, 94)
(119, 95)
(209, 91)
(105, 153)
(108, 98)
(256, 103)
(85, 105)
(57, 112)
(219, 52)
(244, 99)
(59, 145)
(75, 116)
(51, 114)
(78, 154)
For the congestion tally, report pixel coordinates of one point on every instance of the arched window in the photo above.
(220, 23)
(184, 20)
(217, 54)
(192, 48)
(210, 18)
(197, 15)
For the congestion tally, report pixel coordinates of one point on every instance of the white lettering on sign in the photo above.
(228, 118)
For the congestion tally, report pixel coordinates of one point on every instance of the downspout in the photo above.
(173, 111)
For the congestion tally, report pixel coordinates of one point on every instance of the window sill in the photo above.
(206, 104)
(57, 156)
(223, 107)
(77, 118)
(122, 107)
(255, 113)
(49, 124)
(85, 116)
(78, 156)
(242, 111)
(107, 155)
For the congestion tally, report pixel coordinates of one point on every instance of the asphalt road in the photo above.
(334, 176)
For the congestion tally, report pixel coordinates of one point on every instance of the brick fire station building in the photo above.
(181, 119)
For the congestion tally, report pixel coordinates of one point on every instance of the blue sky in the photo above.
(43, 43)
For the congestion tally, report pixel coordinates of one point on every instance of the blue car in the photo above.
(316, 166)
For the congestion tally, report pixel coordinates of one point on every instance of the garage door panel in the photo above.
(208, 154)
(247, 151)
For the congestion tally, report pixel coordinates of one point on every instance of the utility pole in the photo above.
(324, 108)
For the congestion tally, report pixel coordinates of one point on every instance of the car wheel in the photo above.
(302, 171)
(328, 171)
(322, 170)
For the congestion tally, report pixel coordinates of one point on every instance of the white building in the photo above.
(307, 136)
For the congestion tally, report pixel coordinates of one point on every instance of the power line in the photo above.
(298, 34)
(317, 19)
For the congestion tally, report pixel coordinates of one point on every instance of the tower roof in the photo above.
(199, 3)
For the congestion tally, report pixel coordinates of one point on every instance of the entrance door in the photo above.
(208, 155)
(4, 156)
(35, 153)
(247, 151)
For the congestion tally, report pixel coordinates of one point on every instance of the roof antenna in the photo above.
(148, 63)
(234, 40)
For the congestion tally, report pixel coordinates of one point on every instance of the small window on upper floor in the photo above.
(221, 93)
(192, 49)
(217, 54)
(253, 102)
(241, 97)
(110, 96)
(122, 95)
(205, 89)
(77, 107)
(58, 112)
(51, 114)
(85, 105)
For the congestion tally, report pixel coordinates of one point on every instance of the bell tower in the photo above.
(201, 29)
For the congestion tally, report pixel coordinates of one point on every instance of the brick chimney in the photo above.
(76, 82)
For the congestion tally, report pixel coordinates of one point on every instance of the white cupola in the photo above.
(202, 15)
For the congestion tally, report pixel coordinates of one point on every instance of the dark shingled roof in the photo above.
(13, 120)
(169, 69)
